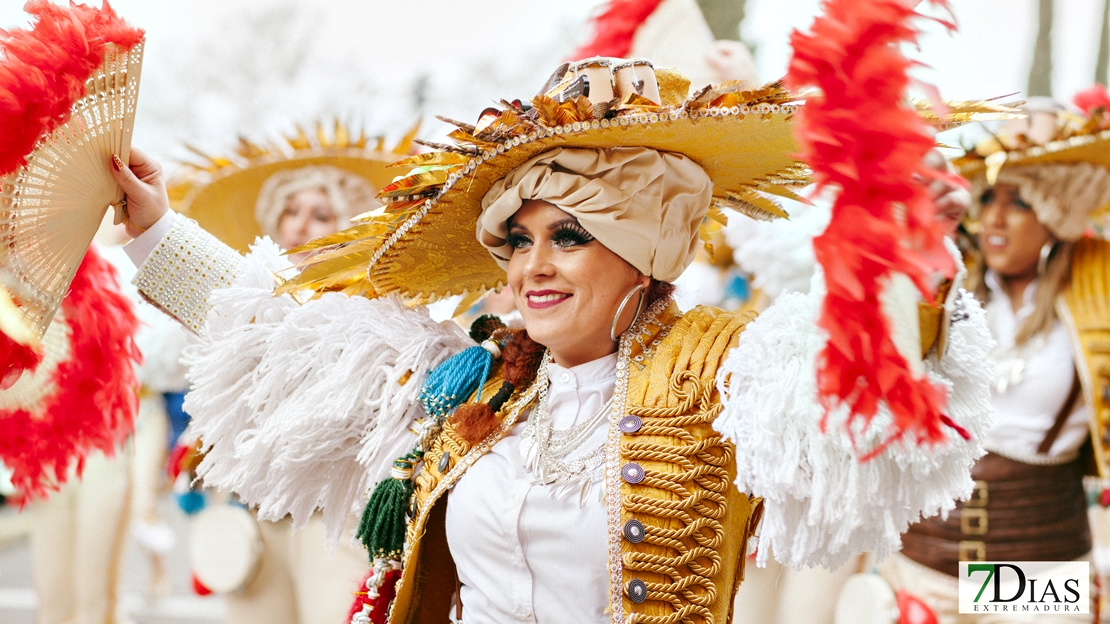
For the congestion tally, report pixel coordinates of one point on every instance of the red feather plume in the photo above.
(615, 26)
(43, 70)
(1092, 99)
(95, 399)
(860, 135)
(14, 359)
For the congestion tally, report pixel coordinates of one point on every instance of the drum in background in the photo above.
(866, 599)
(225, 547)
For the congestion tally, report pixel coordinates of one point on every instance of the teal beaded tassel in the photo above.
(382, 528)
(452, 382)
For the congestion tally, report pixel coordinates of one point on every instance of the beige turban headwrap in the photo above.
(1063, 195)
(643, 205)
(348, 193)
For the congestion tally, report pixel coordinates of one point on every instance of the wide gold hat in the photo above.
(220, 192)
(1059, 159)
(422, 245)
(1044, 134)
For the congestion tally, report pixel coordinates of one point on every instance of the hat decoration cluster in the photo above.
(1075, 137)
(421, 244)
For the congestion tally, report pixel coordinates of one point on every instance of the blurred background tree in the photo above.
(1040, 73)
(724, 17)
(1102, 65)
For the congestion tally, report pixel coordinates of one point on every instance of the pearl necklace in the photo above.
(546, 449)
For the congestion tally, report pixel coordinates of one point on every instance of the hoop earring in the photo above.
(1046, 254)
(620, 310)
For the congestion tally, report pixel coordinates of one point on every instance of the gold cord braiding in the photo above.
(694, 499)
(454, 443)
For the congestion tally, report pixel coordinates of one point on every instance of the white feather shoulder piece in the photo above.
(822, 506)
(304, 407)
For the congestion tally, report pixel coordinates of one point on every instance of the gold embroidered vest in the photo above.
(1084, 308)
(677, 526)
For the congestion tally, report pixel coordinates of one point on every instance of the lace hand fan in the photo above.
(68, 90)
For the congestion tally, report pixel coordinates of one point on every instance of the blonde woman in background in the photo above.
(1039, 278)
(301, 577)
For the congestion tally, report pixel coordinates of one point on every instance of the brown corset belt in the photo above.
(1018, 512)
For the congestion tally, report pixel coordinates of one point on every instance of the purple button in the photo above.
(630, 424)
(632, 473)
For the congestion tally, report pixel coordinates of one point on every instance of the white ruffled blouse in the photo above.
(1038, 376)
(523, 553)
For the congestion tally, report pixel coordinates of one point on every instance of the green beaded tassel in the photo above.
(382, 528)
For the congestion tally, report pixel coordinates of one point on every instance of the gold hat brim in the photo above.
(434, 253)
(226, 205)
(1089, 148)
(426, 249)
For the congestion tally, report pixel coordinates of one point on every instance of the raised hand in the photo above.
(145, 186)
(952, 200)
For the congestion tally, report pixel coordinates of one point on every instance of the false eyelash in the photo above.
(573, 233)
(516, 241)
(988, 196)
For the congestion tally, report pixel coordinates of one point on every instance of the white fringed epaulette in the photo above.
(303, 407)
(822, 505)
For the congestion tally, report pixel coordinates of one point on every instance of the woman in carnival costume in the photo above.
(613, 426)
(310, 186)
(1036, 185)
(592, 431)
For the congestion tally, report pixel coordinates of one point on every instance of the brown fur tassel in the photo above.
(521, 356)
(474, 422)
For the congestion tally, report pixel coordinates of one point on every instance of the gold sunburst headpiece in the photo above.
(1058, 159)
(956, 113)
(220, 191)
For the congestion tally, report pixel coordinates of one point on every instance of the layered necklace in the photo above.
(1010, 362)
(547, 450)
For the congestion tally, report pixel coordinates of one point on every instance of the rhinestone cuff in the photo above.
(183, 271)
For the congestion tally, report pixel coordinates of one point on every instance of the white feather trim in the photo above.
(822, 506)
(300, 406)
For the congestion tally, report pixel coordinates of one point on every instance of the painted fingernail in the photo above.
(117, 163)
